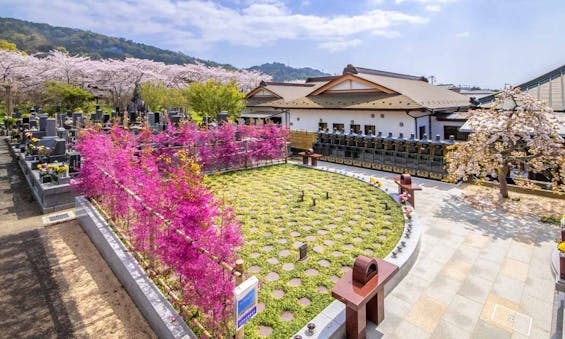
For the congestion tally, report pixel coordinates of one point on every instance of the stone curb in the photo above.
(159, 313)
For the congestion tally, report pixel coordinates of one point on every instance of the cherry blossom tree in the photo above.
(517, 131)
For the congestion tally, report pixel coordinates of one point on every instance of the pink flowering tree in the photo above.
(517, 131)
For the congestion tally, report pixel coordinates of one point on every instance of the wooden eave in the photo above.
(335, 82)
(252, 93)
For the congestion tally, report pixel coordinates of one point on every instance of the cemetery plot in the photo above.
(282, 208)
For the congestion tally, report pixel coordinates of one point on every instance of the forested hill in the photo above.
(34, 37)
(282, 72)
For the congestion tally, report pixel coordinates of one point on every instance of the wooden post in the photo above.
(238, 280)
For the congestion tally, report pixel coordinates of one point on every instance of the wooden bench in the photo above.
(404, 183)
(313, 156)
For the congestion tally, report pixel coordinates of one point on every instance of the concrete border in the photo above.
(156, 309)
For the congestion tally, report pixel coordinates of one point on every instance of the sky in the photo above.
(486, 43)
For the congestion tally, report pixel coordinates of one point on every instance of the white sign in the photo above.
(245, 301)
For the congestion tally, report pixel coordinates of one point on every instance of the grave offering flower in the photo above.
(408, 211)
(561, 246)
(404, 198)
(62, 169)
(44, 151)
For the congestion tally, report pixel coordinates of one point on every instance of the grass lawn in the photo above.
(353, 221)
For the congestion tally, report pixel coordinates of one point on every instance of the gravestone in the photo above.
(51, 127)
(105, 118)
(77, 119)
(43, 122)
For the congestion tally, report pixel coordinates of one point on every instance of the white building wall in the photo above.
(384, 121)
(437, 127)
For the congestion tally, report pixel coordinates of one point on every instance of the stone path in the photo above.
(478, 274)
(53, 281)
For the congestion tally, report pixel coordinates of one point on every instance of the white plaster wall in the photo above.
(437, 127)
(307, 120)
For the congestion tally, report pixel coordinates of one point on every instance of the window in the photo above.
(454, 130)
(322, 126)
(355, 129)
(276, 120)
(370, 129)
(421, 132)
(338, 127)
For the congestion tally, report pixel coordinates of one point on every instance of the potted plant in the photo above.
(62, 174)
(44, 173)
(44, 153)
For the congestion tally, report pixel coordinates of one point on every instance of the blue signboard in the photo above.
(245, 301)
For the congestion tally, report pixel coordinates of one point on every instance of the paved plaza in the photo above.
(478, 274)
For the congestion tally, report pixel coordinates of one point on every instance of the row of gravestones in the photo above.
(421, 157)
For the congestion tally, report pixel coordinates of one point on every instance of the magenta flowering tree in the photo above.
(168, 216)
(150, 185)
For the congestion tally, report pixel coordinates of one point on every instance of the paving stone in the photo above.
(287, 316)
(328, 242)
(304, 301)
(508, 288)
(334, 279)
(284, 253)
(448, 330)
(294, 234)
(322, 289)
(294, 282)
(260, 307)
(288, 266)
(254, 269)
(514, 269)
(520, 252)
(337, 253)
(282, 241)
(407, 330)
(426, 314)
(272, 276)
(338, 236)
(485, 269)
(310, 238)
(265, 331)
(322, 232)
(255, 255)
(306, 228)
(456, 269)
(311, 272)
(484, 330)
(463, 312)
(273, 261)
(268, 248)
(278, 294)
(318, 249)
(324, 263)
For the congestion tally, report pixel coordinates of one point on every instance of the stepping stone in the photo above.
(365, 232)
(294, 282)
(252, 242)
(267, 248)
(254, 269)
(306, 228)
(281, 229)
(255, 255)
(291, 223)
(317, 222)
(377, 244)
(265, 331)
(310, 238)
(346, 229)
(277, 294)
(357, 239)
(368, 251)
(356, 216)
(337, 253)
(294, 234)
(260, 307)
(324, 263)
(272, 276)
(328, 242)
(253, 229)
(304, 301)
(340, 212)
(352, 223)
(273, 261)
(311, 272)
(338, 219)
(322, 289)
(332, 226)
(297, 244)
(322, 232)
(381, 237)
(284, 253)
(287, 316)
(288, 267)
(348, 246)
(345, 269)
(267, 234)
(334, 279)
(318, 249)
(338, 235)
(282, 241)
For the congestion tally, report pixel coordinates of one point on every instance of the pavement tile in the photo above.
(448, 330)
(521, 252)
(475, 288)
(508, 288)
(477, 240)
(426, 313)
(463, 312)
(485, 269)
(490, 306)
(493, 253)
(456, 269)
(538, 310)
(408, 330)
(426, 268)
(443, 289)
(485, 330)
(542, 289)
(514, 269)
(442, 254)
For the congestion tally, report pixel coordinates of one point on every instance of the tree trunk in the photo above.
(503, 186)
(9, 104)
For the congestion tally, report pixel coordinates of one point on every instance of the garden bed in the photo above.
(349, 218)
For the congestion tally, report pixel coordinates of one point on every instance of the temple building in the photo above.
(360, 100)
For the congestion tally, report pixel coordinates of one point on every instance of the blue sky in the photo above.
(472, 42)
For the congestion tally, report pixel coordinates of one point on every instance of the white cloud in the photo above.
(339, 45)
(462, 35)
(196, 24)
(433, 8)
